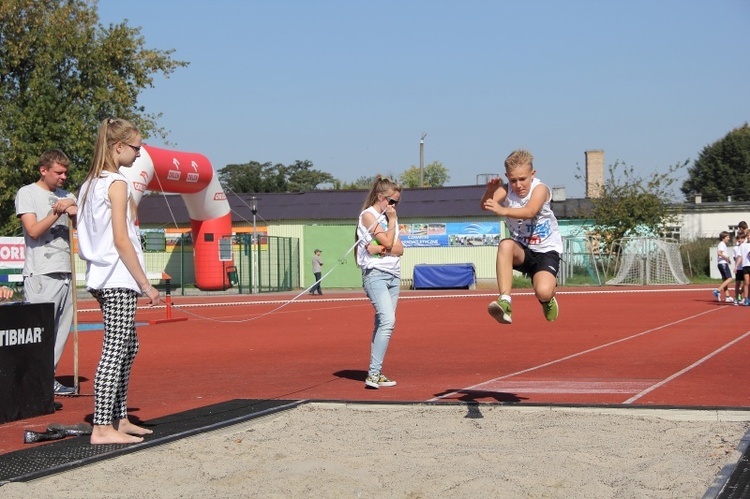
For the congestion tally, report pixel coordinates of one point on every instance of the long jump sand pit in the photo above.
(420, 450)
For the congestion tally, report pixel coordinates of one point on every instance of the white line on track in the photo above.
(568, 387)
(683, 371)
(408, 296)
(572, 356)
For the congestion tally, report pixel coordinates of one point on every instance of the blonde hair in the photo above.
(382, 185)
(519, 158)
(111, 131)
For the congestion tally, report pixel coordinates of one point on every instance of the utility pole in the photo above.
(255, 247)
(421, 159)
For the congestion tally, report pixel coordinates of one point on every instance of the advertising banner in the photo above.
(450, 234)
(12, 252)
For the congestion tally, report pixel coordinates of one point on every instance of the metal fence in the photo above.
(268, 264)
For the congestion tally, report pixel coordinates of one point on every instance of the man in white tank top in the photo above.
(535, 245)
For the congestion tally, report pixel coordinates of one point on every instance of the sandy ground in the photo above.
(352, 450)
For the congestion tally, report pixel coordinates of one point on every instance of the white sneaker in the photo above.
(729, 299)
(60, 389)
(378, 380)
(383, 381)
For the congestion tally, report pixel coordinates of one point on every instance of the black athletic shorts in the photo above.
(534, 262)
(724, 271)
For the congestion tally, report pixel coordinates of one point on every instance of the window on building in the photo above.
(671, 232)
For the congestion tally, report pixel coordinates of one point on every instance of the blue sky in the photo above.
(351, 85)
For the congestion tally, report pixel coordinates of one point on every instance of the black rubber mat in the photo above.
(738, 484)
(71, 452)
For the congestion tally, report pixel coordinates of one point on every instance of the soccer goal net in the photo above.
(578, 265)
(646, 261)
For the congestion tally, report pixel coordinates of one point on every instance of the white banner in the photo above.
(12, 253)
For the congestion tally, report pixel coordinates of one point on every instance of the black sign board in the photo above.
(27, 344)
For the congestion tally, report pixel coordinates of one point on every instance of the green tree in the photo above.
(722, 169)
(629, 204)
(434, 175)
(363, 182)
(61, 73)
(301, 176)
(265, 177)
(253, 177)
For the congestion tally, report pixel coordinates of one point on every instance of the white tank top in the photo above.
(366, 261)
(96, 245)
(541, 233)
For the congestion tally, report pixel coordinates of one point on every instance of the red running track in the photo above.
(672, 347)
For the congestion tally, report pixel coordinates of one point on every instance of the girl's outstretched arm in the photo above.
(118, 193)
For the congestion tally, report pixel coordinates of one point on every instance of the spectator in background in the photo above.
(739, 271)
(723, 257)
(317, 268)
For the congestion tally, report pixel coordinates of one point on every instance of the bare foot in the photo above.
(105, 434)
(125, 426)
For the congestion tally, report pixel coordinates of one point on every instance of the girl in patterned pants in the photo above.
(109, 243)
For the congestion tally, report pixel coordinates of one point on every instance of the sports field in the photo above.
(673, 349)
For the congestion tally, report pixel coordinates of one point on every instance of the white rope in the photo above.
(341, 260)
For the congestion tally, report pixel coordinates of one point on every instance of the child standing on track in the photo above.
(745, 254)
(739, 273)
(115, 276)
(535, 245)
(379, 251)
(722, 258)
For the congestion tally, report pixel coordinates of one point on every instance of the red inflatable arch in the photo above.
(191, 175)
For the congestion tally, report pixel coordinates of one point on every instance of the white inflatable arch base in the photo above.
(191, 175)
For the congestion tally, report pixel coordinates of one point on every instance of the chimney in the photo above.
(594, 173)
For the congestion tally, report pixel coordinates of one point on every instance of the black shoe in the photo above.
(31, 437)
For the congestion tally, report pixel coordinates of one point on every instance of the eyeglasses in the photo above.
(137, 149)
(392, 202)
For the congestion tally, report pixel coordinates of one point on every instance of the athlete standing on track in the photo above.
(535, 245)
(722, 259)
(379, 253)
(739, 273)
